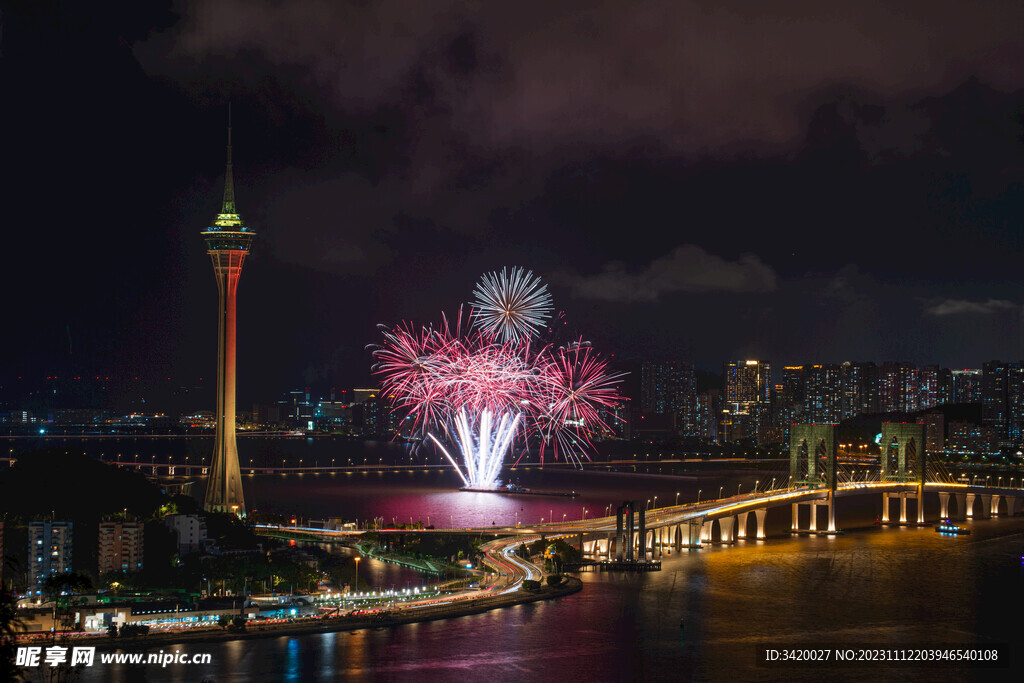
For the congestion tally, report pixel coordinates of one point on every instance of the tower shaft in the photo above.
(224, 482)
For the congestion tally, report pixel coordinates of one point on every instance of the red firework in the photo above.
(561, 395)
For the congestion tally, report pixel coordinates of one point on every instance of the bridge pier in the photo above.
(994, 510)
(691, 532)
(812, 523)
(986, 505)
(943, 505)
(1013, 505)
(961, 505)
(903, 507)
(741, 531)
(725, 529)
(687, 534)
(705, 531)
(760, 515)
(885, 506)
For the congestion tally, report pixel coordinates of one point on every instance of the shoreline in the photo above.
(379, 620)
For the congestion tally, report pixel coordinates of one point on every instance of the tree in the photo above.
(223, 621)
(10, 626)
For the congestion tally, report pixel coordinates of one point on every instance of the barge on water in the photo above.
(516, 490)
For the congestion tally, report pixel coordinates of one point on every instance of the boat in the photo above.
(947, 527)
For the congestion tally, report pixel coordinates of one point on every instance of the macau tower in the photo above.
(227, 242)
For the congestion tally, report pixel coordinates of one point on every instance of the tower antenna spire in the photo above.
(229, 181)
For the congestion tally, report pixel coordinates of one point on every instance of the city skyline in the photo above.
(754, 195)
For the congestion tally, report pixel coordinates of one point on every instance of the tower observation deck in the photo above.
(228, 242)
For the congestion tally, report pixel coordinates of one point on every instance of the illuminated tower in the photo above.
(227, 242)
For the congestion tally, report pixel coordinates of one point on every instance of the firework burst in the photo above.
(511, 305)
(484, 391)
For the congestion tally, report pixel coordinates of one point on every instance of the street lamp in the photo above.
(698, 495)
(720, 492)
(584, 514)
(655, 502)
(357, 572)
(677, 497)
(738, 488)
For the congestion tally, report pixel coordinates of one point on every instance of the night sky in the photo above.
(797, 181)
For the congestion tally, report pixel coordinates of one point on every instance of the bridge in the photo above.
(816, 479)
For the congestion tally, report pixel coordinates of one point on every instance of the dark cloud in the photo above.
(688, 268)
(948, 307)
(700, 75)
(387, 153)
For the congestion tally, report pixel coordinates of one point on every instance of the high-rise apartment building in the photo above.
(897, 388)
(966, 386)
(120, 547)
(823, 394)
(49, 550)
(746, 400)
(697, 418)
(665, 386)
(1015, 402)
(935, 387)
(934, 432)
(859, 387)
(993, 396)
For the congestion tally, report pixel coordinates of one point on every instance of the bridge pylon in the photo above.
(908, 440)
(808, 444)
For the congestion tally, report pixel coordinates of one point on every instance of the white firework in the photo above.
(511, 305)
